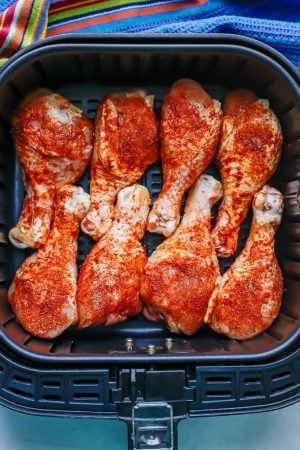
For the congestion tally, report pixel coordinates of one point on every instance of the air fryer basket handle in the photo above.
(175, 438)
(152, 426)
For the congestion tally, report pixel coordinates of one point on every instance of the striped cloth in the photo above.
(275, 22)
(21, 23)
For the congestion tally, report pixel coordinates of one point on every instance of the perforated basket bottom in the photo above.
(112, 341)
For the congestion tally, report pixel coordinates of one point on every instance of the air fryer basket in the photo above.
(103, 371)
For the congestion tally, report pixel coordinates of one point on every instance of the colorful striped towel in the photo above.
(275, 22)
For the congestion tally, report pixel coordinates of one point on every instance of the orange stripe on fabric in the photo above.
(2, 19)
(119, 15)
(44, 29)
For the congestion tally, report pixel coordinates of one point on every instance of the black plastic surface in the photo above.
(84, 73)
(91, 391)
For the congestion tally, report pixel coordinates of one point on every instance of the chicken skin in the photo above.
(109, 279)
(43, 292)
(247, 157)
(190, 126)
(181, 274)
(126, 143)
(249, 295)
(54, 142)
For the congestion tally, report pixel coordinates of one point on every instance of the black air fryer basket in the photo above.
(137, 371)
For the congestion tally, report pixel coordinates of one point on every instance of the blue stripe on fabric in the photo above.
(282, 35)
(43, 20)
(4, 4)
(213, 9)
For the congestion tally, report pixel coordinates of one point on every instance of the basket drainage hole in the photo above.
(156, 185)
(156, 178)
(283, 388)
(54, 398)
(93, 101)
(85, 396)
(252, 380)
(51, 384)
(19, 392)
(85, 382)
(281, 376)
(22, 379)
(218, 394)
(219, 380)
(253, 394)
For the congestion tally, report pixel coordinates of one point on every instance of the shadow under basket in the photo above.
(89, 372)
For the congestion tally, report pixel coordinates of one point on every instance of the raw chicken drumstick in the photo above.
(247, 157)
(248, 298)
(126, 143)
(109, 279)
(43, 292)
(54, 142)
(181, 274)
(190, 125)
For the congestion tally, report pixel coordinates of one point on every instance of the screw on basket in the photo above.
(151, 349)
(129, 344)
(169, 343)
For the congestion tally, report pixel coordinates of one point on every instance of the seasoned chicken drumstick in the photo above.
(54, 142)
(181, 274)
(248, 155)
(126, 143)
(109, 279)
(190, 125)
(43, 291)
(248, 298)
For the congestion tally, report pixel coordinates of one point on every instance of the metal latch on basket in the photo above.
(152, 426)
